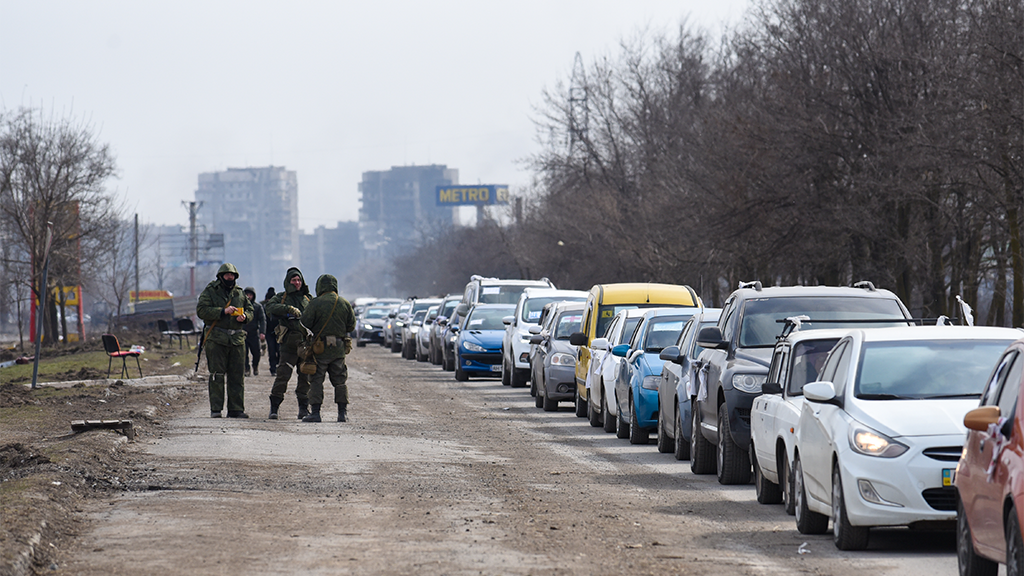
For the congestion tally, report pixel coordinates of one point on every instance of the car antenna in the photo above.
(648, 292)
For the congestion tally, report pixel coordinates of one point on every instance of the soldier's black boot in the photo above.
(275, 403)
(342, 409)
(303, 409)
(315, 415)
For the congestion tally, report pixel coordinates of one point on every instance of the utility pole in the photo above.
(136, 259)
(193, 243)
(579, 112)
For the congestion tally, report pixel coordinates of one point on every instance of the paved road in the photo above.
(441, 477)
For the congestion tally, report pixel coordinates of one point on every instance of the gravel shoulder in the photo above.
(440, 477)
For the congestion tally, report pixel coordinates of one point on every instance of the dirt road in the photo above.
(434, 476)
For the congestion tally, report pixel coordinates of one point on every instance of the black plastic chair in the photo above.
(165, 330)
(186, 328)
(113, 349)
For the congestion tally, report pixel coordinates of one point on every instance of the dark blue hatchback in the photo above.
(478, 348)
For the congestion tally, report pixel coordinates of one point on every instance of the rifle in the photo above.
(199, 347)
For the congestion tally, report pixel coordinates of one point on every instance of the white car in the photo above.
(881, 431)
(773, 418)
(604, 366)
(515, 345)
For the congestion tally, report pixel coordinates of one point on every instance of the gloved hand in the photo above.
(293, 311)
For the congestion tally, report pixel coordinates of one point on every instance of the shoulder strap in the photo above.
(329, 316)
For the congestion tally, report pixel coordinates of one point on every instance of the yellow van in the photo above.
(603, 303)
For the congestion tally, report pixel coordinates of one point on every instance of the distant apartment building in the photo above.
(335, 251)
(257, 211)
(398, 207)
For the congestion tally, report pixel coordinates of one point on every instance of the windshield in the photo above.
(808, 358)
(503, 294)
(567, 324)
(449, 308)
(418, 318)
(533, 307)
(663, 332)
(761, 329)
(926, 368)
(607, 312)
(487, 318)
(423, 305)
(376, 313)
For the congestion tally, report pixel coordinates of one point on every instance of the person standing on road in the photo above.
(287, 307)
(272, 345)
(225, 310)
(255, 332)
(330, 318)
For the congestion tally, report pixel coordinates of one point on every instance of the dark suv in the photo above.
(737, 352)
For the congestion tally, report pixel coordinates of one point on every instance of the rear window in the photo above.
(760, 327)
(918, 369)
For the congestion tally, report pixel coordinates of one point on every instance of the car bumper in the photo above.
(560, 382)
(521, 353)
(370, 336)
(488, 362)
(912, 484)
(739, 404)
(646, 407)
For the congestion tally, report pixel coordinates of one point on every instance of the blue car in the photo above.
(478, 347)
(636, 386)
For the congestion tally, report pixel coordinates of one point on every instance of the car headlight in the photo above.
(399, 324)
(651, 382)
(473, 347)
(562, 359)
(367, 327)
(748, 382)
(868, 442)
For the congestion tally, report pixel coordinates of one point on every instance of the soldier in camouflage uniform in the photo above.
(287, 307)
(225, 310)
(330, 318)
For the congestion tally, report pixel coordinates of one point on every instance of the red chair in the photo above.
(113, 349)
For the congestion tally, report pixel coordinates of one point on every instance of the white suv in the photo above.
(515, 346)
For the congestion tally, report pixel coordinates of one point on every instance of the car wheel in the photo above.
(548, 404)
(517, 380)
(767, 492)
(807, 522)
(968, 561)
(733, 463)
(360, 344)
(665, 443)
(637, 435)
(395, 346)
(607, 420)
(506, 372)
(581, 404)
(702, 452)
(1014, 545)
(420, 357)
(786, 485)
(461, 374)
(845, 535)
(533, 387)
(681, 445)
(593, 416)
(538, 400)
(621, 426)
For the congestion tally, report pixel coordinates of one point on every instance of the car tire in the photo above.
(360, 344)
(665, 444)
(548, 404)
(533, 387)
(681, 445)
(395, 346)
(733, 464)
(637, 435)
(607, 420)
(506, 372)
(593, 416)
(767, 492)
(517, 380)
(538, 400)
(968, 561)
(702, 452)
(1014, 545)
(807, 522)
(420, 357)
(845, 536)
(460, 374)
(580, 404)
(786, 485)
(621, 426)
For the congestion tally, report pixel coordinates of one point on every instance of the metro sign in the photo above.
(479, 195)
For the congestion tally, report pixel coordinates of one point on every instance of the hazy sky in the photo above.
(327, 89)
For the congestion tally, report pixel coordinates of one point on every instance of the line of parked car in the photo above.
(834, 401)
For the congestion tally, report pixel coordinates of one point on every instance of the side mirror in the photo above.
(536, 339)
(403, 316)
(442, 321)
(771, 388)
(980, 418)
(711, 337)
(578, 339)
(507, 320)
(819, 391)
(391, 314)
(670, 354)
(599, 344)
(621, 350)
(454, 329)
(462, 309)
(534, 329)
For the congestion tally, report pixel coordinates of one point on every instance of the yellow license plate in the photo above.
(947, 476)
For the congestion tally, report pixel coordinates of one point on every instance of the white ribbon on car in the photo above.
(592, 374)
(702, 391)
(995, 433)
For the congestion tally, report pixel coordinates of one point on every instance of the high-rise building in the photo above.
(399, 207)
(257, 211)
(334, 251)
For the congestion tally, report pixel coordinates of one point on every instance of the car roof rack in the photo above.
(755, 284)
(865, 284)
(795, 323)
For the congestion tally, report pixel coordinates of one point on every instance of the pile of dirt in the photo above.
(47, 471)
